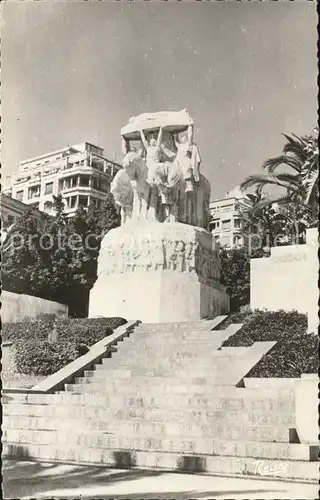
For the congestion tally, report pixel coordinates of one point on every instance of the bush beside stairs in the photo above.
(167, 397)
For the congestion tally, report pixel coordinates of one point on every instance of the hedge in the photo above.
(42, 357)
(295, 353)
(39, 328)
(261, 326)
(44, 346)
(289, 358)
(88, 330)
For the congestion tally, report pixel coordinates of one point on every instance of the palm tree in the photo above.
(299, 181)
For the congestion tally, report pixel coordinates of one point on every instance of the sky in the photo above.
(73, 72)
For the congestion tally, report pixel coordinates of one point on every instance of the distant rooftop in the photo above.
(82, 147)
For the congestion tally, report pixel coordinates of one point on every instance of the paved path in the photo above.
(46, 480)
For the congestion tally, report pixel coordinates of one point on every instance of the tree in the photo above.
(58, 261)
(235, 276)
(298, 196)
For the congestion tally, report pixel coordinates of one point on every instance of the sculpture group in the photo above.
(161, 179)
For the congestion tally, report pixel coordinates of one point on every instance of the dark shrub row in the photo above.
(295, 353)
(44, 346)
(289, 358)
(261, 326)
(88, 330)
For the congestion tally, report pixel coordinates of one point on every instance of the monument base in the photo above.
(158, 273)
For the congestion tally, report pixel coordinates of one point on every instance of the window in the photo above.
(237, 240)
(236, 223)
(84, 180)
(34, 192)
(215, 225)
(48, 188)
(226, 224)
(83, 201)
(73, 201)
(19, 195)
(95, 183)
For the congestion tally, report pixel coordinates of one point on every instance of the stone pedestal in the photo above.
(158, 273)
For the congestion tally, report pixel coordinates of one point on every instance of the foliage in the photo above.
(295, 172)
(296, 352)
(235, 276)
(57, 260)
(37, 355)
(269, 325)
(289, 358)
(237, 317)
(86, 331)
(39, 329)
(34, 357)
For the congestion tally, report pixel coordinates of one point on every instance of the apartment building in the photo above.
(80, 173)
(12, 210)
(228, 216)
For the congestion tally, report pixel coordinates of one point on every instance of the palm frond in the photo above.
(263, 180)
(273, 163)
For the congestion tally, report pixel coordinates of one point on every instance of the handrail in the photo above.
(57, 380)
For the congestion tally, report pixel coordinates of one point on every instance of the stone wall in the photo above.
(288, 279)
(17, 307)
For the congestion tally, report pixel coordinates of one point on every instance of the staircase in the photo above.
(167, 398)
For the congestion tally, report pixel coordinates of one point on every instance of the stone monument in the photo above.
(161, 264)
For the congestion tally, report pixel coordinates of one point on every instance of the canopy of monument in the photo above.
(173, 121)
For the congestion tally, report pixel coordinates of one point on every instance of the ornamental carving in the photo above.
(152, 254)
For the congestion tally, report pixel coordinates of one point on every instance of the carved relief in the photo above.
(150, 253)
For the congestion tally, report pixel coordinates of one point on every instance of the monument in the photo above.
(161, 264)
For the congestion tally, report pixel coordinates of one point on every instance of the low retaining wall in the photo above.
(17, 307)
(288, 279)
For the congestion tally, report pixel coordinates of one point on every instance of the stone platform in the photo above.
(158, 273)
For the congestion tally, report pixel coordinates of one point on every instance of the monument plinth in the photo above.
(161, 264)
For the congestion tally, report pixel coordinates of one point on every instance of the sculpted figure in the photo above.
(155, 176)
(171, 254)
(191, 248)
(122, 192)
(181, 256)
(157, 255)
(183, 159)
(137, 171)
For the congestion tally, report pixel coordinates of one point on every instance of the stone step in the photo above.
(187, 462)
(127, 387)
(148, 430)
(224, 397)
(182, 363)
(207, 324)
(167, 401)
(27, 416)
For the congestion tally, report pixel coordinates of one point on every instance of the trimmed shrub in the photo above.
(295, 353)
(35, 357)
(39, 328)
(289, 358)
(44, 346)
(86, 331)
(261, 326)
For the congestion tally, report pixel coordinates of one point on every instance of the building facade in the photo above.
(80, 173)
(12, 210)
(228, 219)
